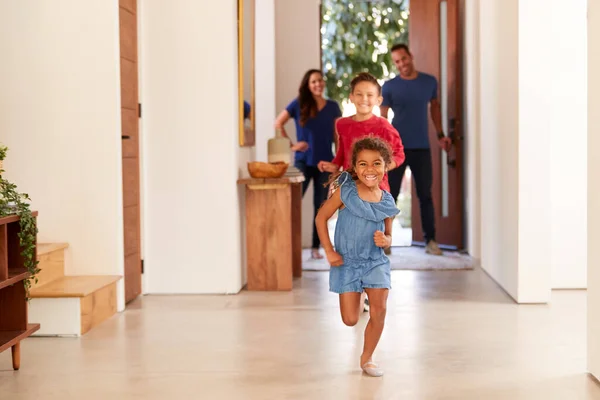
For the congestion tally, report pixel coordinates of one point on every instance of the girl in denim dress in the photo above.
(364, 229)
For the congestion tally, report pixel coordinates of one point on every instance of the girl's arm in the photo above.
(388, 230)
(384, 239)
(328, 208)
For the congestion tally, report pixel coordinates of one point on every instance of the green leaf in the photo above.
(356, 37)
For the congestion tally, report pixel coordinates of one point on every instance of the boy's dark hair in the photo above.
(364, 77)
(400, 46)
(366, 143)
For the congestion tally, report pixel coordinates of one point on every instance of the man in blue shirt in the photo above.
(411, 95)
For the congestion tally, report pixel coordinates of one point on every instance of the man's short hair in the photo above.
(400, 46)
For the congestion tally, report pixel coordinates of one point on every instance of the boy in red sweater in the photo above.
(365, 93)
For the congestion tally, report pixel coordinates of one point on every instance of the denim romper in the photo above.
(365, 264)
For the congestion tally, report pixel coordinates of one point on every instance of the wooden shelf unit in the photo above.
(14, 326)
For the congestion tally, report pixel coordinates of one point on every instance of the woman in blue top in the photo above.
(315, 119)
(363, 231)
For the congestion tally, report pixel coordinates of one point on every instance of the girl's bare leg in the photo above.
(378, 305)
(349, 307)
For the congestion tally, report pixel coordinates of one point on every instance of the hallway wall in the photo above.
(499, 136)
(593, 217)
(297, 50)
(265, 75)
(567, 87)
(472, 127)
(192, 157)
(60, 117)
(525, 107)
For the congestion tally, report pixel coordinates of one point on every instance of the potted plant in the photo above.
(3, 150)
(12, 202)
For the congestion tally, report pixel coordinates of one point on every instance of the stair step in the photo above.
(74, 286)
(45, 248)
(51, 257)
(72, 305)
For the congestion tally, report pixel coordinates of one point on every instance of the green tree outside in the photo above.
(356, 37)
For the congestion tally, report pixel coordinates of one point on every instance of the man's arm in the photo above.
(436, 116)
(393, 138)
(384, 111)
(387, 100)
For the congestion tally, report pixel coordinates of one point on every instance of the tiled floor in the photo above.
(449, 335)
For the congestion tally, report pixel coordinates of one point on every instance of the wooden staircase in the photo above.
(69, 305)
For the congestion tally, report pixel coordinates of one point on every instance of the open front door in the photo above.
(434, 41)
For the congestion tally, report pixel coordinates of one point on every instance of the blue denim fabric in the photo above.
(365, 264)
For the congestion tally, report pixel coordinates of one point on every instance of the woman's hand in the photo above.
(325, 166)
(334, 258)
(381, 240)
(300, 146)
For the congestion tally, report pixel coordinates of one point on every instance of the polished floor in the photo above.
(449, 335)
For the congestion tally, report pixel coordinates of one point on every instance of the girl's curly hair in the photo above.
(366, 143)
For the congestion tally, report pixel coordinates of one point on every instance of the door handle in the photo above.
(451, 162)
(125, 137)
(453, 123)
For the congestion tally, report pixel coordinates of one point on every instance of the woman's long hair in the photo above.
(308, 104)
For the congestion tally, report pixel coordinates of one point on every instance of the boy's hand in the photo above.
(325, 166)
(381, 240)
(334, 258)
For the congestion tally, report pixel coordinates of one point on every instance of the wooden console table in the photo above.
(13, 305)
(273, 232)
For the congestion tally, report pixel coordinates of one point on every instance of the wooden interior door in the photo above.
(130, 148)
(435, 42)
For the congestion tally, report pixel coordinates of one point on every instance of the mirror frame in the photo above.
(246, 135)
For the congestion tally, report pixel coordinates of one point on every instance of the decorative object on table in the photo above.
(279, 148)
(292, 172)
(12, 202)
(262, 170)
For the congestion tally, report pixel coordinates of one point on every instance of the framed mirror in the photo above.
(247, 107)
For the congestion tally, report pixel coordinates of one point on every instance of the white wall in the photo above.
(593, 306)
(567, 114)
(297, 50)
(192, 158)
(515, 178)
(534, 215)
(499, 123)
(60, 117)
(264, 70)
(471, 127)
(265, 76)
